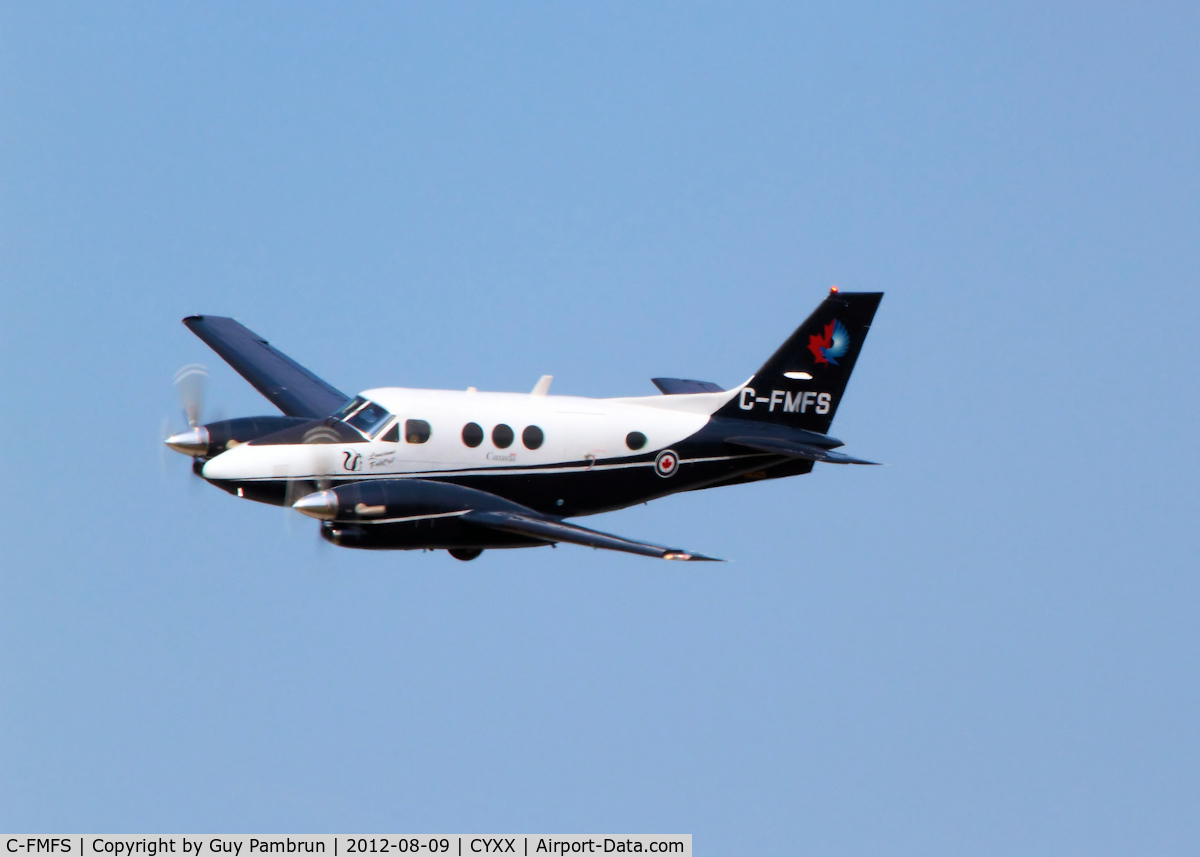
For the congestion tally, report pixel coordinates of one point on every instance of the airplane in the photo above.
(395, 468)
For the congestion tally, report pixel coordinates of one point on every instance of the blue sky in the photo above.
(988, 646)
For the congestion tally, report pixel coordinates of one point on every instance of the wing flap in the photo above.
(285, 383)
(558, 531)
(792, 449)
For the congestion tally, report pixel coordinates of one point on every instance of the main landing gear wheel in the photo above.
(465, 554)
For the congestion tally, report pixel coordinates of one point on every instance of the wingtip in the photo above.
(690, 557)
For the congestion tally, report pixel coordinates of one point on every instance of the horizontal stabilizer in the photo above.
(676, 386)
(557, 531)
(779, 446)
(286, 384)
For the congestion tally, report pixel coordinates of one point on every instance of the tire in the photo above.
(465, 554)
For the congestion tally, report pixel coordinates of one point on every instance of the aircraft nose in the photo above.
(223, 466)
(322, 505)
(194, 441)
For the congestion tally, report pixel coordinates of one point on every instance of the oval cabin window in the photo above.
(472, 434)
(416, 431)
(532, 437)
(502, 436)
(635, 440)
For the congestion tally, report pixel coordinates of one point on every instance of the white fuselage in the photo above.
(577, 434)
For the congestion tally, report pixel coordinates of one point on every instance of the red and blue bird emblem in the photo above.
(831, 345)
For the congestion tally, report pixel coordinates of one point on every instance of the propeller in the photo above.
(191, 383)
(320, 465)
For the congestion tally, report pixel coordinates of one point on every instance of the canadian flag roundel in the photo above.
(666, 463)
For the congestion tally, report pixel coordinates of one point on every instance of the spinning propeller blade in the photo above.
(316, 471)
(190, 382)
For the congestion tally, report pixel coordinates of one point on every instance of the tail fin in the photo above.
(802, 383)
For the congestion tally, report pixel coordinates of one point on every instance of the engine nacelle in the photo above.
(385, 500)
(451, 533)
(214, 438)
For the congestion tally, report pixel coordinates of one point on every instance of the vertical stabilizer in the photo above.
(802, 383)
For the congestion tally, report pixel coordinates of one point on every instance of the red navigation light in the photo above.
(834, 290)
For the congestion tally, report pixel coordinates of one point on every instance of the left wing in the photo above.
(286, 384)
(557, 531)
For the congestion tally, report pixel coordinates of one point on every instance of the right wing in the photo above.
(286, 384)
(382, 501)
(557, 531)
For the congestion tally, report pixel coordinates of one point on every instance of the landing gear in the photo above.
(465, 554)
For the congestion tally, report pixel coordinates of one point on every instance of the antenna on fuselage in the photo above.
(542, 387)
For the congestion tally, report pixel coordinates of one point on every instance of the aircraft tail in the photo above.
(801, 385)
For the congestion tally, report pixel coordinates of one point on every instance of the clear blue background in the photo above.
(989, 646)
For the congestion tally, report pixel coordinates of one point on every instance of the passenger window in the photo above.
(502, 436)
(392, 435)
(472, 434)
(635, 440)
(416, 431)
(532, 437)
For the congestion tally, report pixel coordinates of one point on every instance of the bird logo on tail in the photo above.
(834, 343)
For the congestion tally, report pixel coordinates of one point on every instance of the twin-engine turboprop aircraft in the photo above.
(399, 468)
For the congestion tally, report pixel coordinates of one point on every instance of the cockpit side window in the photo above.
(370, 419)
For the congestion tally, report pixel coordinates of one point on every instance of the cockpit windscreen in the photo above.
(370, 419)
(350, 407)
(364, 415)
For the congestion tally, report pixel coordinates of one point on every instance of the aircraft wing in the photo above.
(286, 384)
(557, 531)
(792, 449)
